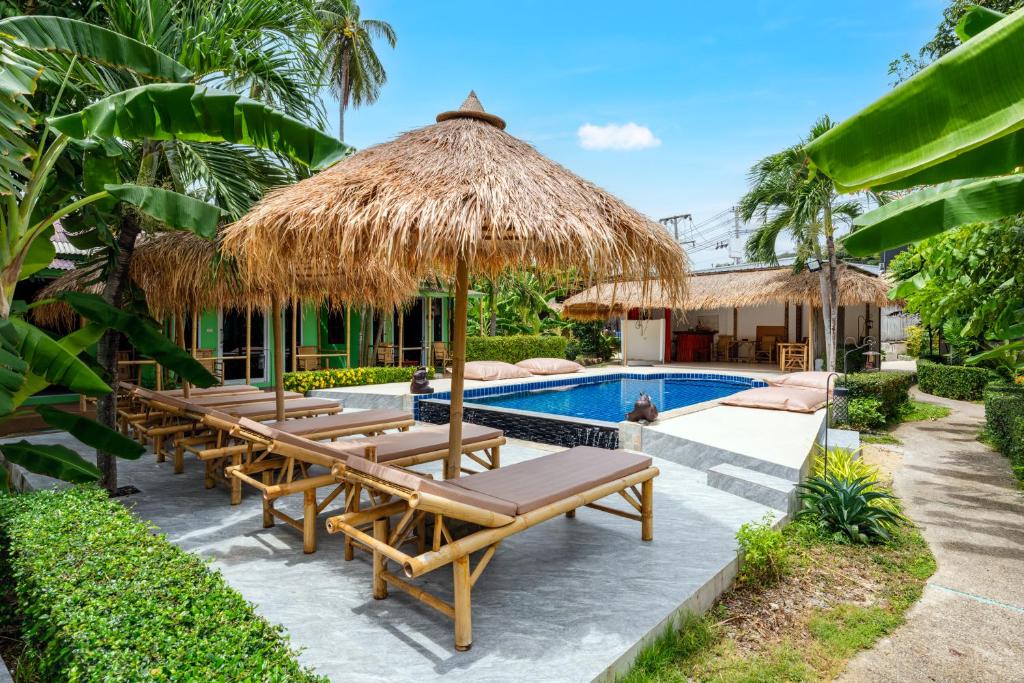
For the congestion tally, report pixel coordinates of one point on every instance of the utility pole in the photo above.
(674, 222)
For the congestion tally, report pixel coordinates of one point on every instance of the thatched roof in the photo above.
(728, 289)
(182, 272)
(461, 188)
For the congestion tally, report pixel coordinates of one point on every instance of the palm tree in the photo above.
(788, 197)
(352, 67)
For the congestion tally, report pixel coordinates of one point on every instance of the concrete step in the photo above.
(775, 492)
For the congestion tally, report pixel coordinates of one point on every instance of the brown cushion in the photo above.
(267, 409)
(549, 366)
(445, 489)
(237, 400)
(212, 391)
(391, 447)
(488, 370)
(323, 424)
(534, 483)
(807, 380)
(286, 438)
(792, 399)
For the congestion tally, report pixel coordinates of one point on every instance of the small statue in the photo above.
(420, 385)
(643, 410)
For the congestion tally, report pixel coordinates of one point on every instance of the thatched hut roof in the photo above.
(59, 315)
(461, 188)
(728, 289)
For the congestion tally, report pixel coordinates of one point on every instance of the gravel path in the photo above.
(969, 624)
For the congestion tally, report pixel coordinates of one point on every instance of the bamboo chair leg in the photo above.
(309, 521)
(647, 510)
(380, 586)
(268, 505)
(236, 483)
(421, 534)
(463, 611)
(179, 459)
(571, 514)
(210, 481)
(158, 446)
(496, 457)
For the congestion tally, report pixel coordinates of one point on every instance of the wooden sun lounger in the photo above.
(219, 449)
(218, 402)
(498, 503)
(132, 412)
(480, 444)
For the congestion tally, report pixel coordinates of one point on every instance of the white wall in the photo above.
(644, 340)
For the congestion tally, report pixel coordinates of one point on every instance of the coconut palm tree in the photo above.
(787, 197)
(352, 66)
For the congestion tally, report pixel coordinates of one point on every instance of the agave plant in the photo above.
(849, 508)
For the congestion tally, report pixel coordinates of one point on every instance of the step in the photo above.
(775, 492)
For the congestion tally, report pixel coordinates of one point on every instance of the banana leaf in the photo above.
(74, 343)
(976, 20)
(167, 111)
(146, 338)
(40, 254)
(932, 210)
(54, 461)
(94, 43)
(92, 433)
(18, 79)
(970, 99)
(47, 358)
(12, 376)
(176, 210)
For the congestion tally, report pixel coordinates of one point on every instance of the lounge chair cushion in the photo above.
(212, 391)
(309, 427)
(807, 380)
(792, 399)
(549, 366)
(237, 400)
(534, 483)
(257, 410)
(489, 370)
(392, 447)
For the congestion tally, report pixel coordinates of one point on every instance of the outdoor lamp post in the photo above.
(840, 404)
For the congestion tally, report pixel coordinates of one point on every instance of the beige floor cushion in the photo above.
(808, 380)
(489, 370)
(549, 366)
(792, 399)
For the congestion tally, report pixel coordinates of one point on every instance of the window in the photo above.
(336, 328)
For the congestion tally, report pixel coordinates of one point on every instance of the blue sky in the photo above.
(717, 85)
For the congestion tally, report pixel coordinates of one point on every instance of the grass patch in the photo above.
(916, 411)
(837, 600)
(883, 439)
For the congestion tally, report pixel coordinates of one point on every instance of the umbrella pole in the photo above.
(278, 359)
(453, 464)
(248, 344)
(179, 332)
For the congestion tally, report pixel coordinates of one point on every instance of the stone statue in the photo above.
(420, 384)
(643, 410)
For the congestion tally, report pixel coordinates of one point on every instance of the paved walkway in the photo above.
(969, 625)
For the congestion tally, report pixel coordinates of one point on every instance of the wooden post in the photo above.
(785, 321)
(453, 463)
(812, 326)
(248, 344)
(318, 348)
(430, 331)
(179, 333)
(309, 521)
(348, 336)
(401, 336)
(647, 510)
(463, 606)
(278, 359)
(195, 335)
(380, 586)
(622, 328)
(295, 338)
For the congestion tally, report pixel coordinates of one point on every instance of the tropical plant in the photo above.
(517, 303)
(352, 66)
(865, 414)
(846, 509)
(764, 550)
(787, 198)
(128, 107)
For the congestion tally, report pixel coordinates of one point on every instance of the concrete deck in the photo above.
(568, 600)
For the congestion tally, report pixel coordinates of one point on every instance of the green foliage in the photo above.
(92, 433)
(891, 388)
(519, 300)
(1004, 422)
(591, 340)
(764, 550)
(958, 382)
(689, 636)
(345, 377)
(515, 348)
(850, 466)
(918, 338)
(47, 358)
(845, 509)
(102, 597)
(59, 462)
(917, 411)
(172, 209)
(865, 414)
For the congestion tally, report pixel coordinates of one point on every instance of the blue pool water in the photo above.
(611, 400)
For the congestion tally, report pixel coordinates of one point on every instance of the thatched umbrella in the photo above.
(728, 289)
(452, 198)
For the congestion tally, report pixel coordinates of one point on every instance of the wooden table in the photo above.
(792, 356)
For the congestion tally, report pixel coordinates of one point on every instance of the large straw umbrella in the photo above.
(458, 197)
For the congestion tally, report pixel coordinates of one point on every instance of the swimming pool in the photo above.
(609, 399)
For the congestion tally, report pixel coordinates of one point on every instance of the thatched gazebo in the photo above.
(457, 197)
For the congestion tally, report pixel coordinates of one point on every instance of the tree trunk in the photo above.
(832, 321)
(365, 337)
(341, 122)
(493, 303)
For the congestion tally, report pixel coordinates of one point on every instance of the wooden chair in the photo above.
(208, 359)
(723, 347)
(440, 354)
(307, 360)
(765, 352)
(386, 354)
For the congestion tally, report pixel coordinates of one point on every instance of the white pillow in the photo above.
(791, 399)
(807, 380)
(488, 370)
(549, 366)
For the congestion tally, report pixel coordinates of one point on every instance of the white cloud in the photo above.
(615, 136)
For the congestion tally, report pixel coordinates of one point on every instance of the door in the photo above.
(412, 333)
(232, 338)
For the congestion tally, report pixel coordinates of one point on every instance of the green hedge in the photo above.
(515, 348)
(1004, 421)
(103, 598)
(891, 388)
(345, 377)
(959, 382)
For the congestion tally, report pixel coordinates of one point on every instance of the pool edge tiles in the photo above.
(551, 428)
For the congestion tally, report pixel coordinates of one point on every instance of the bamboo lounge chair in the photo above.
(219, 449)
(131, 411)
(497, 504)
(481, 444)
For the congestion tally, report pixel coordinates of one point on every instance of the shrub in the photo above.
(1004, 422)
(848, 509)
(515, 348)
(917, 342)
(958, 382)
(102, 598)
(591, 340)
(891, 388)
(765, 553)
(851, 358)
(849, 466)
(865, 414)
(344, 377)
